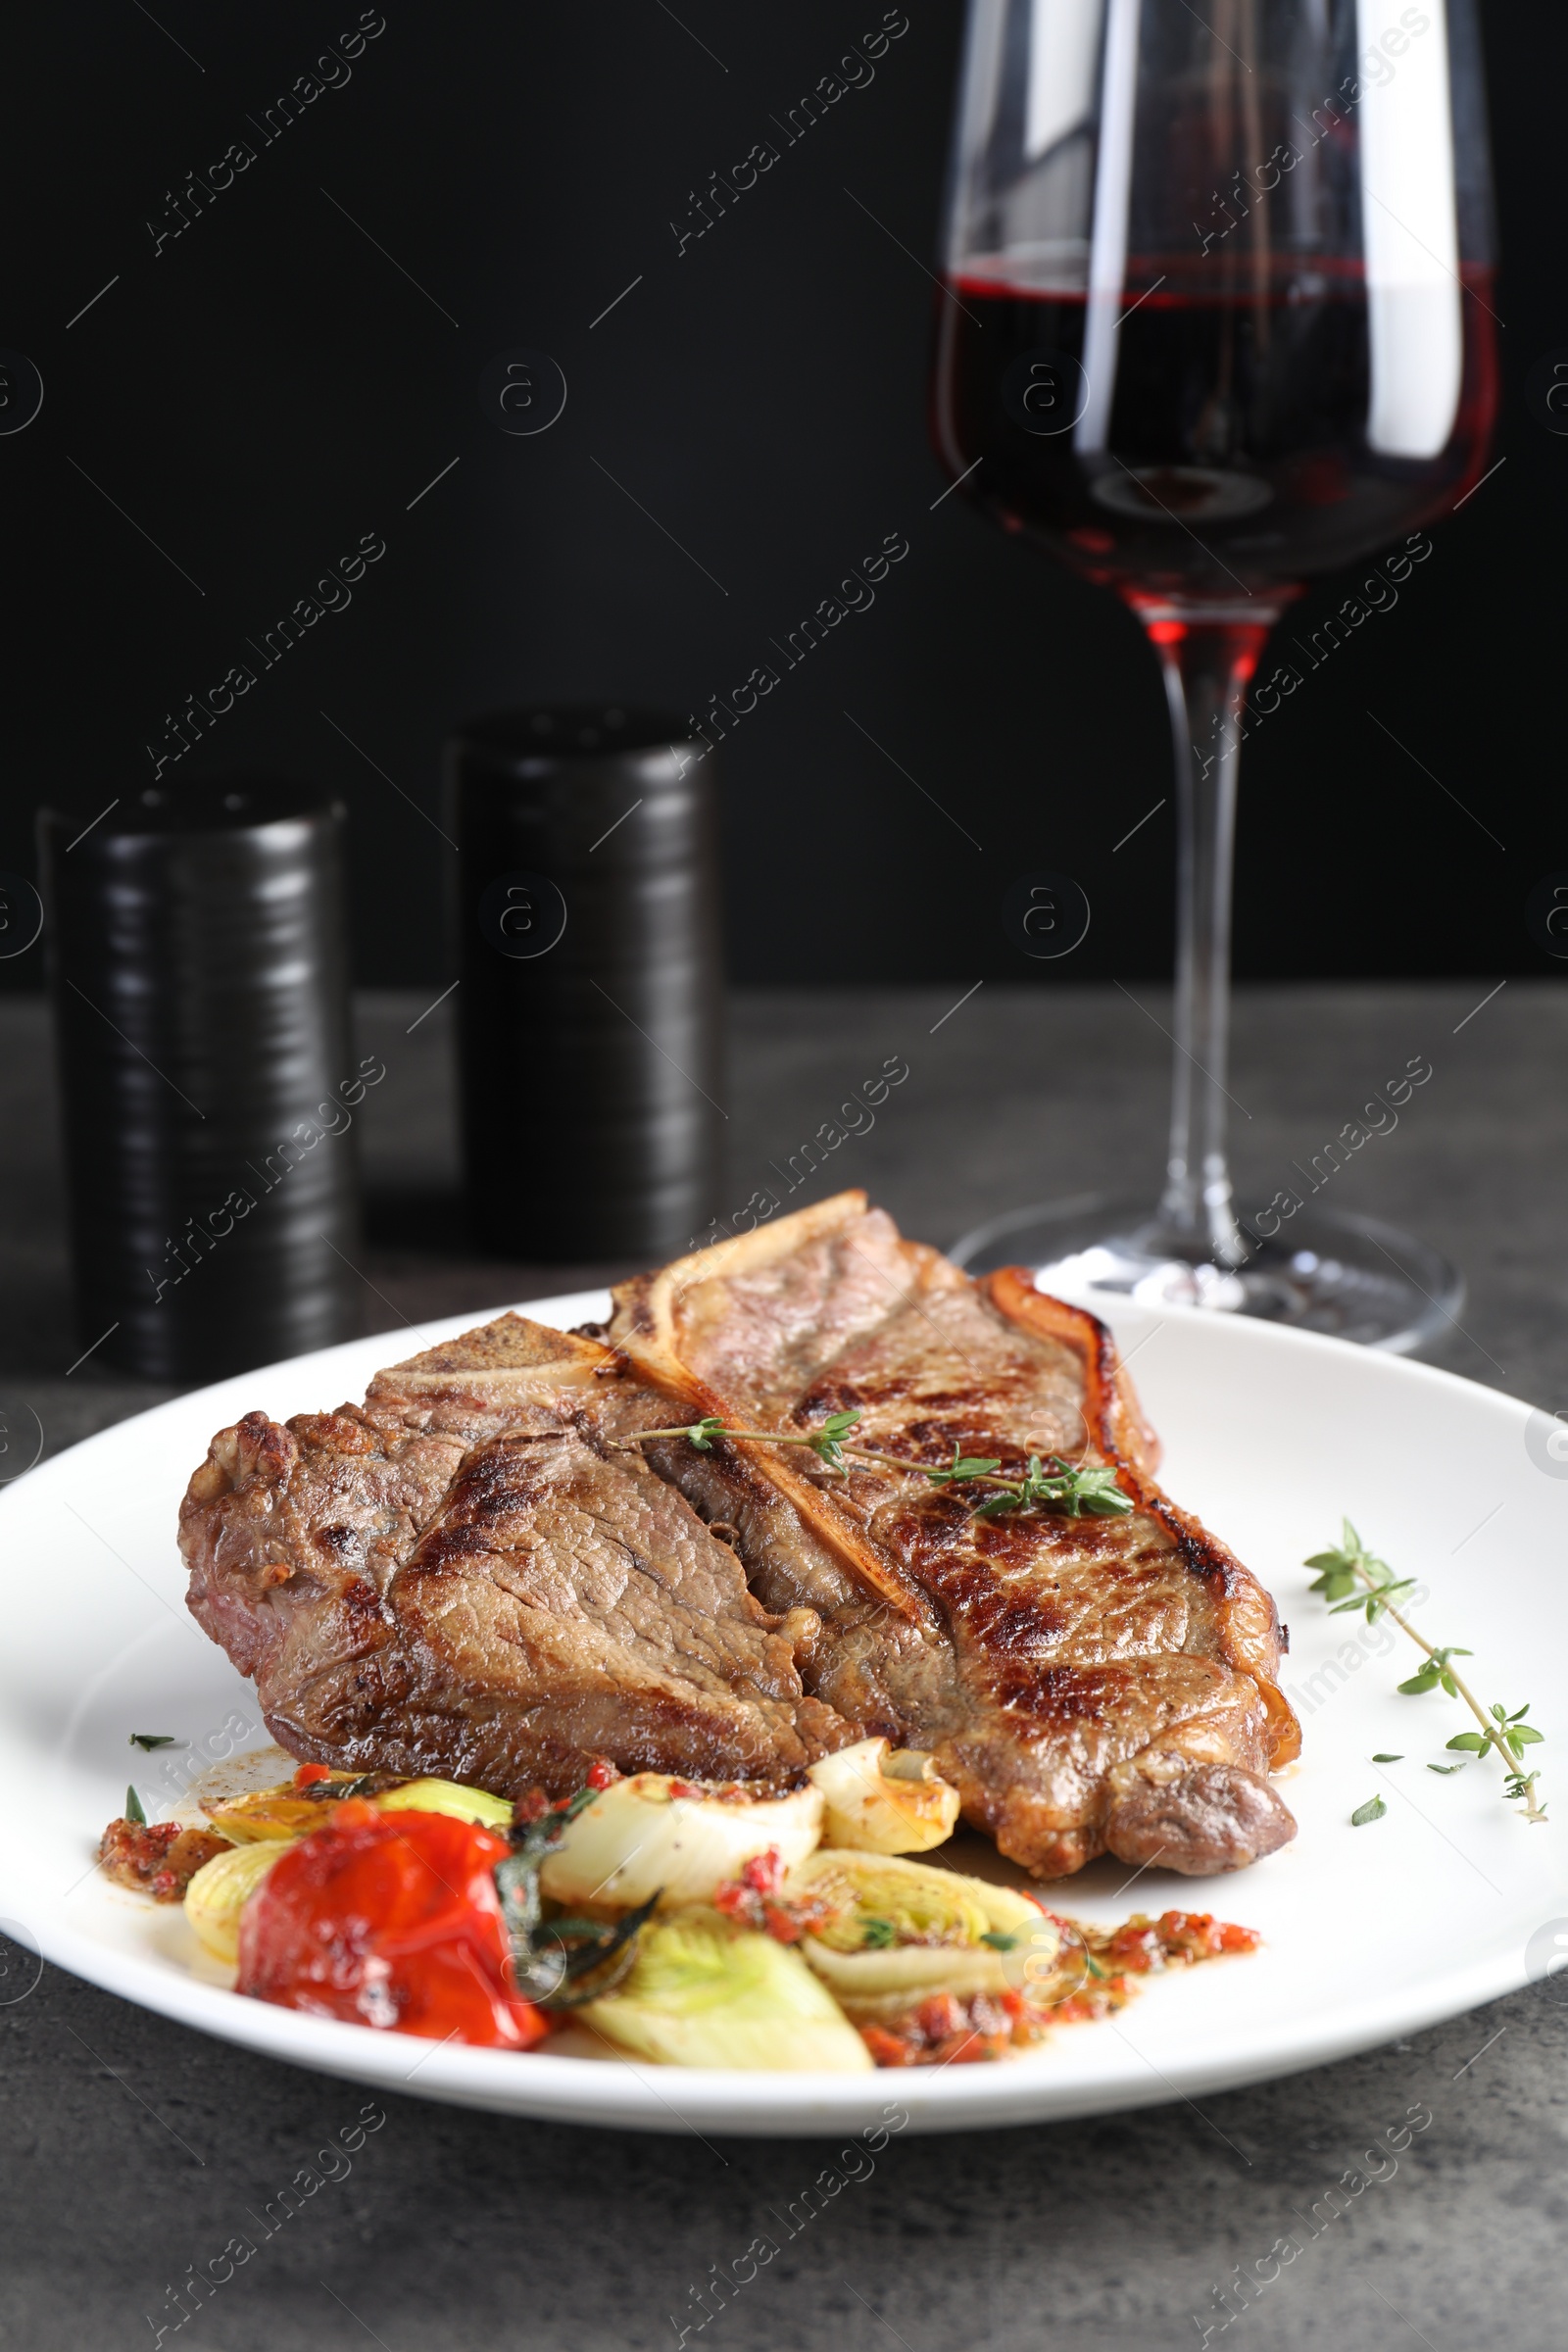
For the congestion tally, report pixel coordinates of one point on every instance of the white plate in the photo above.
(1446, 1902)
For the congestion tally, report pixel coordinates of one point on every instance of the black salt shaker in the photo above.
(209, 1084)
(590, 1005)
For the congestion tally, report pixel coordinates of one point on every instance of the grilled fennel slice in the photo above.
(654, 1836)
(705, 1992)
(883, 1802)
(905, 1930)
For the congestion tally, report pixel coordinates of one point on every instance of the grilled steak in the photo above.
(473, 1574)
(1085, 1682)
(456, 1579)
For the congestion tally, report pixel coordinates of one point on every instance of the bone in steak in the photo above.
(1085, 1682)
(473, 1575)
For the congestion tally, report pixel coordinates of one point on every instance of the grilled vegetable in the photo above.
(220, 1889)
(446, 1796)
(884, 1802)
(293, 1808)
(903, 1930)
(287, 1809)
(653, 1835)
(703, 1992)
(391, 1920)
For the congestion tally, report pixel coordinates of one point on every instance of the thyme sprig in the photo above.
(1049, 1483)
(1352, 1580)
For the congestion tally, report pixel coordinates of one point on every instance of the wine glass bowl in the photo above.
(1190, 498)
(1215, 320)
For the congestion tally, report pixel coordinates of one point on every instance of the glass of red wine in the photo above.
(1214, 321)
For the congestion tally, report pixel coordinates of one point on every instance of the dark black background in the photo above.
(270, 387)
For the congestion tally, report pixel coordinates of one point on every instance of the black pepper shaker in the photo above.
(591, 997)
(209, 1084)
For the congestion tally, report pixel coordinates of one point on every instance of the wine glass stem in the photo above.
(1207, 662)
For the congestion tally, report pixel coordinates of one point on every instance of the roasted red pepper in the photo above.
(390, 1920)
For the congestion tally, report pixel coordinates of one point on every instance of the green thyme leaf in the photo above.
(828, 1441)
(1098, 1490)
(1476, 1741)
(133, 1808)
(1075, 1490)
(1445, 1769)
(878, 1936)
(1373, 1811)
(1336, 1575)
(1388, 1759)
(965, 1465)
(999, 1941)
(1434, 1674)
(1007, 1501)
(146, 1740)
(702, 1433)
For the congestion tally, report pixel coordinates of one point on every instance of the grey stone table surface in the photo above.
(133, 2149)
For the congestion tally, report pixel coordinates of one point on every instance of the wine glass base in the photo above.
(1351, 1277)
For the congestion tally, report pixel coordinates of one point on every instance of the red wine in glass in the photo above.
(1272, 389)
(1216, 320)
